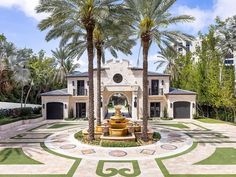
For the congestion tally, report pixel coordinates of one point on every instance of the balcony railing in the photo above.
(155, 92)
(82, 92)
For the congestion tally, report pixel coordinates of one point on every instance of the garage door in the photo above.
(54, 110)
(181, 110)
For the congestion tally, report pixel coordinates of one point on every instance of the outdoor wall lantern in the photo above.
(43, 106)
(88, 83)
(135, 102)
(162, 82)
(73, 83)
(171, 105)
(65, 106)
(193, 105)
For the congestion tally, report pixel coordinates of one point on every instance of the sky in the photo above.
(18, 22)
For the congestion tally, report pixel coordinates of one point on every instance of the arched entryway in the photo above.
(118, 99)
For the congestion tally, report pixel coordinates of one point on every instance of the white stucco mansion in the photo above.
(122, 81)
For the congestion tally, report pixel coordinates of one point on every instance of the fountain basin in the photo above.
(118, 125)
(119, 138)
(118, 132)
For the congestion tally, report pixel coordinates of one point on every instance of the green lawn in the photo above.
(214, 121)
(60, 126)
(12, 156)
(175, 125)
(221, 156)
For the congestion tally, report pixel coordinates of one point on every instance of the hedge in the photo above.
(19, 112)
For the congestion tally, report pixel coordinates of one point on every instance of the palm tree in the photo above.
(151, 19)
(65, 60)
(106, 36)
(115, 37)
(82, 15)
(169, 56)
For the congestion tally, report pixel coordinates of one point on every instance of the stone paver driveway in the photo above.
(179, 153)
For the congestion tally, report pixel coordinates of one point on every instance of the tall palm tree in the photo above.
(151, 19)
(65, 60)
(169, 56)
(68, 15)
(115, 37)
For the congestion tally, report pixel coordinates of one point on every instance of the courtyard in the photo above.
(186, 148)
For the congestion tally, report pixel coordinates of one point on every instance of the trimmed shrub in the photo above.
(119, 144)
(19, 112)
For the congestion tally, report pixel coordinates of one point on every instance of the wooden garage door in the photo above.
(54, 110)
(181, 110)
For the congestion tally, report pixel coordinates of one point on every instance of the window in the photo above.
(117, 78)
(187, 47)
(80, 87)
(155, 87)
(180, 49)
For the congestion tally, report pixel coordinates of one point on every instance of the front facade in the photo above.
(121, 81)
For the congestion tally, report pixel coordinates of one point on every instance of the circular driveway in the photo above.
(171, 142)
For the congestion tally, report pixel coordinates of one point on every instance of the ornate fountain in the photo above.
(118, 124)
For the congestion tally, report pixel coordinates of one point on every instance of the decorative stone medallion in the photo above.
(168, 147)
(88, 151)
(117, 153)
(148, 151)
(68, 146)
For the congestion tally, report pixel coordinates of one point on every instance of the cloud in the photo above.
(26, 6)
(205, 17)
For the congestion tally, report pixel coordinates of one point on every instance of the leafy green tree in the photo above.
(150, 21)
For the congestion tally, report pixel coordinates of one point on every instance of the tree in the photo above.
(169, 56)
(150, 20)
(65, 60)
(67, 15)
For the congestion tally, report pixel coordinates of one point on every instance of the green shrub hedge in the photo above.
(19, 112)
(119, 144)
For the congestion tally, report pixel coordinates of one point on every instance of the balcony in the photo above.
(152, 92)
(82, 92)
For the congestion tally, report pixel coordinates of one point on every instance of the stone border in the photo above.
(19, 123)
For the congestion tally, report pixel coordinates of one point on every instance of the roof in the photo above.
(62, 92)
(78, 74)
(85, 74)
(174, 91)
(150, 73)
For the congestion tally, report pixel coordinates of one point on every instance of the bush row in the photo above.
(19, 112)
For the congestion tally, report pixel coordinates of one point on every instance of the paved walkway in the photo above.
(69, 157)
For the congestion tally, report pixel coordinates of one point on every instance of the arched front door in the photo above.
(55, 110)
(181, 110)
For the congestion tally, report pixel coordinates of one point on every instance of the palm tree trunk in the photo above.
(22, 95)
(99, 56)
(145, 89)
(27, 95)
(91, 86)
